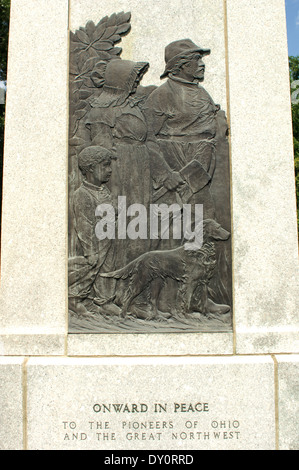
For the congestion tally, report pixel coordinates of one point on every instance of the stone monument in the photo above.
(149, 265)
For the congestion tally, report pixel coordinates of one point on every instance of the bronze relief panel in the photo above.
(149, 191)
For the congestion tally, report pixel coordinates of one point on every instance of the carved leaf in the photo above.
(116, 51)
(124, 28)
(102, 55)
(83, 56)
(88, 65)
(123, 17)
(103, 20)
(109, 32)
(115, 38)
(102, 45)
(80, 113)
(84, 94)
(92, 53)
(112, 20)
(81, 104)
(90, 29)
(83, 36)
(89, 83)
(95, 39)
(74, 88)
(99, 31)
(76, 47)
(76, 141)
(73, 37)
(73, 69)
(77, 84)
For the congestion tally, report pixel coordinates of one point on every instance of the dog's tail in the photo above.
(122, 273)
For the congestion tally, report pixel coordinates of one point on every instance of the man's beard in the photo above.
(200, 75)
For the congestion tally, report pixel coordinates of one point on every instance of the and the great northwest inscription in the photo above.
(149, 191)
(119, 423)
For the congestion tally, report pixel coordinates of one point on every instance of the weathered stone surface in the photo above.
(150, 345)
(32, 344)
(33, 245)
(264, 207)
(206, 403)
(11, 399)
(288, 401)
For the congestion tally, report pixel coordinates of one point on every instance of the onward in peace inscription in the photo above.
(149, 191)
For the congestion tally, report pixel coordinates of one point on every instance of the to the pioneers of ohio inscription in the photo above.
(182, 423)
(149, 190)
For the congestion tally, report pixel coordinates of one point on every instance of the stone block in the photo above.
(175, 344)
(11, 403)
(151, 403)
(288, 404)
(265, 244)
(34, 211)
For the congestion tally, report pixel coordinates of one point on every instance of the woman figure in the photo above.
(117, 124)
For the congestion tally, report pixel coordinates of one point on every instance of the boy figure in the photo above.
(92, 255)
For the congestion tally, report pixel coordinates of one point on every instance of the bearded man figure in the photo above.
(182, 120)
(184, 124)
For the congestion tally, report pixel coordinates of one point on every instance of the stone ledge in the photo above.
(267, 341)
(150, 345)
(32, 344)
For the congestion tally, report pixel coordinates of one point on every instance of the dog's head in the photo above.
(208, 230)
(213, 231)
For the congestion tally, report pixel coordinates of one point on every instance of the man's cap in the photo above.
(178, 50)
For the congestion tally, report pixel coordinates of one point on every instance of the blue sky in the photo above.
(292, 10)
